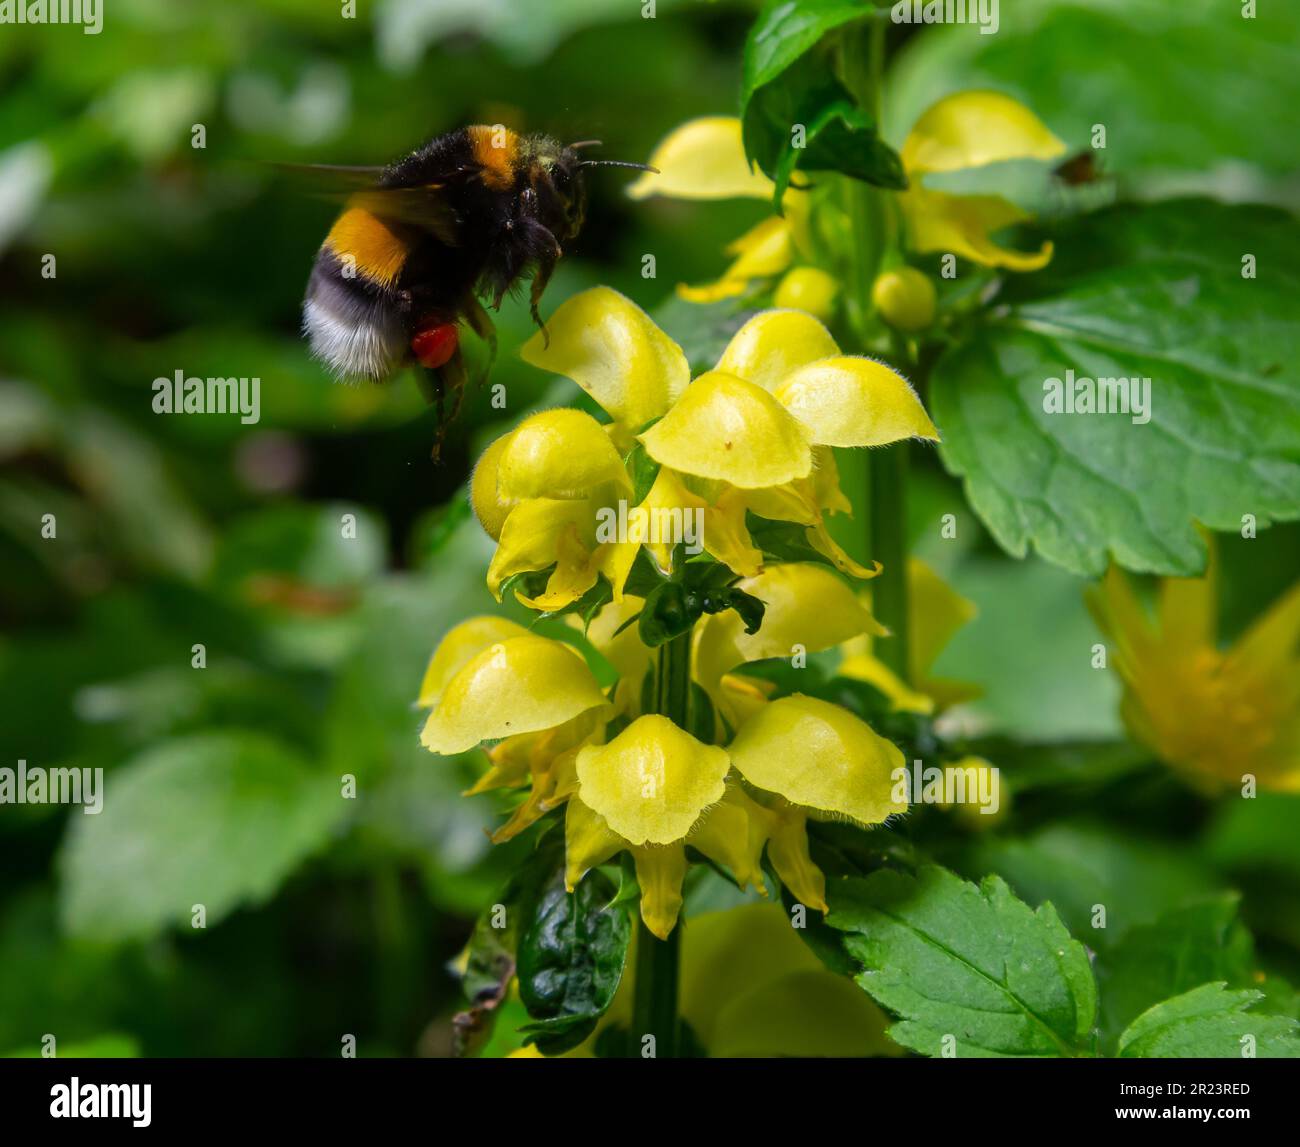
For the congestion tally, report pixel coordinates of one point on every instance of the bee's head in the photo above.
(558, 179)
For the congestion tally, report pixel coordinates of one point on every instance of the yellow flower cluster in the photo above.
(705, 159)
(751, 438)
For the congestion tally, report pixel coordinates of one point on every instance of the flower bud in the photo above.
(808, 289)
(905, 298)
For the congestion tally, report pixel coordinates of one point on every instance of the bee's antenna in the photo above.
(586, 143)
(618, 163)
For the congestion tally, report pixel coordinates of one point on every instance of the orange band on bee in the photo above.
(375, 247)
(496, 150)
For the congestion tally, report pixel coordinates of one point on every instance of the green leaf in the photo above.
(785, 31)
(571, 957)
(972, 963)
(1199, 944)
(1135, 292)
(837, 135)
(788, 82)
(219, 819)
(1209, 1022)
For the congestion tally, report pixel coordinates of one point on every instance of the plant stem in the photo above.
(654, 1007)
(872, 217)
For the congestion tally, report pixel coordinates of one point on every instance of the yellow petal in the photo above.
(574, 573)
(531, 538)
(935, 612)
(964, 225)
(660, 872)
(853, 401)
(774, 344)
(560, 453)
(726, 428)
(552, 786)
(726, 536)
(974, 129)
(864, 667)
(703, 159)
(613, 350)
(788, 852)
(458, 646)
(714, 292)
(661, 521)
(1268, 649)
(652, 781)
(765, 250)
(809, 609)
(820, 756)
(518, 685)
(732, 833)
(588, 842)
(485, 497)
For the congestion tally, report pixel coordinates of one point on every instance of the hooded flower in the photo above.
(753, 435)
(960, 133)
(1217, 715)
(705, 159)
(532, 698)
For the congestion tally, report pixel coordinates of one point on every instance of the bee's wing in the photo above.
(424, 206)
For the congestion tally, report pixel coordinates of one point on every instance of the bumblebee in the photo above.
(468, 216)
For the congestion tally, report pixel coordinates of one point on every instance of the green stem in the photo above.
(654, 1007)
(887, 527)
(874, 223)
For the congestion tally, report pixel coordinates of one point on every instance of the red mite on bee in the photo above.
(467, 217)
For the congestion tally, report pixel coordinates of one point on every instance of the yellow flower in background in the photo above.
(1216, 715)
(705, 159)
(960, 133)
(935, 612)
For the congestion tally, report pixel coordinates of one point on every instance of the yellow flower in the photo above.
(962, 132)
(654, 789)
(751, 435)
(705, 159)
(1216, 715)
(935, 612)
(492, 681)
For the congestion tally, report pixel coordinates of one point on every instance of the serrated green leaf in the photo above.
(1210, 1022)
(217, 819)
(571, 956)
(1148, 292)
(971, 963)
(1189, 946)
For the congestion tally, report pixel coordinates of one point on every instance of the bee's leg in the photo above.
(480, 322)
(446, 381)
(548, 254)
